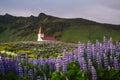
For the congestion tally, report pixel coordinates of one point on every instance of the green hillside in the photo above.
(70, 30)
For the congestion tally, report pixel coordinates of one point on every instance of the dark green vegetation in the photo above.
(70, 30)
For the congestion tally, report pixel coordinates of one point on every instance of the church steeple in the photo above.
(40, 34)
(40, 30)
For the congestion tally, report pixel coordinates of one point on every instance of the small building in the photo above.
(42, 37)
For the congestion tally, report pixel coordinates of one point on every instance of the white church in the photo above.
(42, 37)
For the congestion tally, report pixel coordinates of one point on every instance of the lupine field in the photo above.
(90, 61)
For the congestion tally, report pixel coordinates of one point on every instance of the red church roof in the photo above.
(40, 31)
(46, 38)
(49, 38)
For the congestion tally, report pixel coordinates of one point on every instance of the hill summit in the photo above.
(14, 28)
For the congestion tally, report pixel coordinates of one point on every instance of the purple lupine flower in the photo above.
(105, 61)
(112, 52)
(117, 55)
(97, 45)
(89, 50)
(4, 63)
(42, 62)
(116, 64)
(25, 70)
(89, 64)
(16, 67)
(99, 62)
(30, 74)
(34, 62)
(75, 57)
(80, 61)
(111, 60)
(105, 44)
(109, 45)
(8, 63)
(70, 58)
(94, 74)
(81, 50)
(84, 65)
(94, 52)
(20, 70)
(2, 70)
(11, 64)
(64, 63)
(58, 62)
(75, 54)
(52, 64)
(101, 50)
(117, 46)
(80, 54)
(104, 41)
(44, 66)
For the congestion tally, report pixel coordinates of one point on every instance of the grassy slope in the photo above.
(84, 33)
(69, 30)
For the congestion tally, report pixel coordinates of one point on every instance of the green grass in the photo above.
(84, 33)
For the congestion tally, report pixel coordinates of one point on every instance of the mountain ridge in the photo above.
(26, 28)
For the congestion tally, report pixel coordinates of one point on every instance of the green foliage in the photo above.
(25, 77)
(74, 72)
(58, 76)
(83, 33)
(11, 76)
(108, 74)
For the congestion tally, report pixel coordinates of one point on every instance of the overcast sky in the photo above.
(105, 11)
